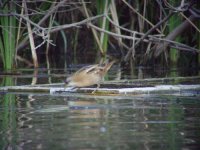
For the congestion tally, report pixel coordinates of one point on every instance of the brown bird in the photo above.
(89, 75)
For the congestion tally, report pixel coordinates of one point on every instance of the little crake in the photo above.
(89, 75)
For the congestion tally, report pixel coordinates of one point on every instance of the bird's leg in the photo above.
(98, 86)
(65, 86)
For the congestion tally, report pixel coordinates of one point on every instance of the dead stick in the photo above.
(126, 58)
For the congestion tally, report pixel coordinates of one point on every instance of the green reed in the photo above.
(8, 37)
(174, 21)
(103, 8)
(8, 117)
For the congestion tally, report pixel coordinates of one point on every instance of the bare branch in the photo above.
(148, 32)
(140, 15)
(177, 31)
(30, 33)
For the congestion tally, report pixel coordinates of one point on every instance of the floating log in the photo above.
(123, 87)
(158, 89)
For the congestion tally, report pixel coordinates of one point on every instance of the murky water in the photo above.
(79, 121)
(95, 122)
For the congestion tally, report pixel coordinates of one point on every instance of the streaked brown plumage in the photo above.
(89, 75)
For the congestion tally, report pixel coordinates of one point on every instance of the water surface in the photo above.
(89, 122)
(81, 121)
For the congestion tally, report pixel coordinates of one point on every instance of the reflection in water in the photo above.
(8, 122)
(87, 122)
(8, 118)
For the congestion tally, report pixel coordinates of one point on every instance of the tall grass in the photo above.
(103, 8)
(10, 26)
(8, 37)
(174, 21)
(123, 18)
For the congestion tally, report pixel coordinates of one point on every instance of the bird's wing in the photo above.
(86, 69)
(95, 69)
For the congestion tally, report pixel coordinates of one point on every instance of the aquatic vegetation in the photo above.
(143, 32)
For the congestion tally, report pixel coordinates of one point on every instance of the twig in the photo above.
(173, 44)
(34, 55)
(126, 58)
(150, 39)
(114, 34)
(140, 15)
(190, 22)
(56, 28)
(93, 31)
(24, 60)
(38, 25)
(177, 31)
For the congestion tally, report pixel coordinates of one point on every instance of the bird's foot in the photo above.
(93, 92)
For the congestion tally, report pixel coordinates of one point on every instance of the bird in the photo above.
(89, 75)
